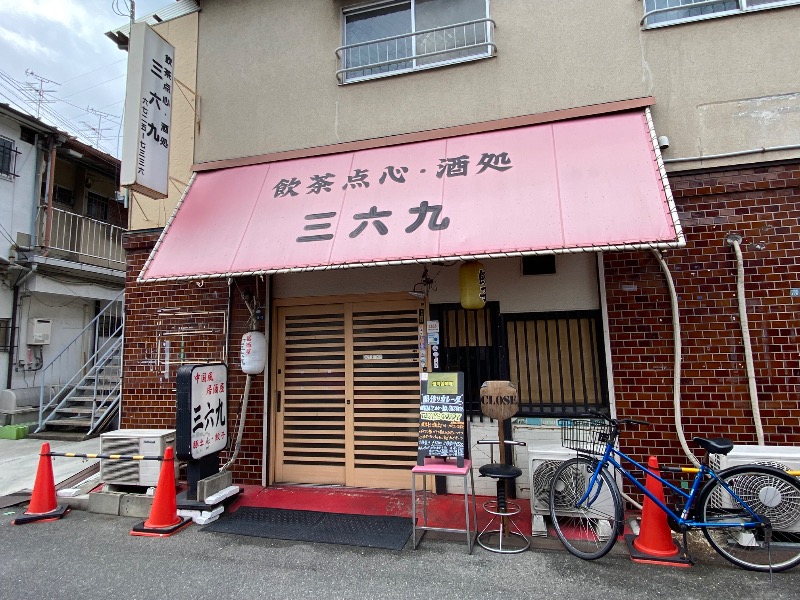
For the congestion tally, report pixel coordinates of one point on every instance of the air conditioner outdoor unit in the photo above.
(543, 461)
(133, 442)
(786, 458)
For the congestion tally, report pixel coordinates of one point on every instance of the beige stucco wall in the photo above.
(266, 74)
(572, 287)
(146, 212)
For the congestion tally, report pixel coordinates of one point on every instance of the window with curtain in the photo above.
(668, 12)
(394, 37)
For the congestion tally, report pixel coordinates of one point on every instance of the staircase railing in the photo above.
(59, 380)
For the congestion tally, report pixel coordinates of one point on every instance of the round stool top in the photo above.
(500, 471)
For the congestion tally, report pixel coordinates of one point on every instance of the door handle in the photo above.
(348, 401)
(278, 401)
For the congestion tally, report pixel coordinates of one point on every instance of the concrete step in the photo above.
(79, 411)
(104, 387)
(71, 422)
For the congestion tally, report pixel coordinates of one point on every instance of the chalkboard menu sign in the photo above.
(441, 416)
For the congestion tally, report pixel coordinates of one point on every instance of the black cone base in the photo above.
(674, 561)
(58, 513)
(140, 529)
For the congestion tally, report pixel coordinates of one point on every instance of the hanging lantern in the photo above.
(254, 352)
(472, 285)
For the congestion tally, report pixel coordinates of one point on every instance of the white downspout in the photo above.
(735, 240)
(676, 337)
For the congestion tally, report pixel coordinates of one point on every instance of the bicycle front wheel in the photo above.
(588, 529)
(768, 492)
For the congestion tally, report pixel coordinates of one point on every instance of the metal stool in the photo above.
(502, 509)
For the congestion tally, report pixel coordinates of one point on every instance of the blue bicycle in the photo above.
(750, 514)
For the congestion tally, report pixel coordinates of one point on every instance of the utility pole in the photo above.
(40, 93)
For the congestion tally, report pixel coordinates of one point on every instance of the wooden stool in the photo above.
(437, 466)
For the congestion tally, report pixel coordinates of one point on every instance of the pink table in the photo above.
(448, 468)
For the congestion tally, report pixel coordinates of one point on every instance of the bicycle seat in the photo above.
(715, 445)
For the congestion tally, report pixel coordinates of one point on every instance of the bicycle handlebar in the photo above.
(594, 413)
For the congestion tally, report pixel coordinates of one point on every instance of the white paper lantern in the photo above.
(254, 352)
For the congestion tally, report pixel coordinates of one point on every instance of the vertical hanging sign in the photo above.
(148, 112)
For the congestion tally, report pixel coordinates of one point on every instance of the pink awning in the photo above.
(584, 184)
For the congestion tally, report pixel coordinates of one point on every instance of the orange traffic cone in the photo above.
(43, 506)
(164, 519)
(654, 544)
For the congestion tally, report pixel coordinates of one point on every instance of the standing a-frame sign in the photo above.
(441, 416)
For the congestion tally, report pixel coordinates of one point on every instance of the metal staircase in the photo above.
(86, 403)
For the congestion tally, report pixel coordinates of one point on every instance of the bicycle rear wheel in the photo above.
(590, 529)
(768, 492)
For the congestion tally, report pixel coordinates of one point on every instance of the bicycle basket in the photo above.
(588, 436)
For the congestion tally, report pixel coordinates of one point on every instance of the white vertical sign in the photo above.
(209, 409)
(148, 112)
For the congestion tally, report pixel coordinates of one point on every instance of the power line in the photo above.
(94, 86)
(97, 69)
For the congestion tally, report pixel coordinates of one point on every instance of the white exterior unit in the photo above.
(132, 442)
(39, 331)
(543, 462)
(785, 458)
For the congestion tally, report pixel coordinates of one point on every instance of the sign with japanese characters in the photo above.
(148, 112)
(585, 183)
(441, 416)
(202, 405)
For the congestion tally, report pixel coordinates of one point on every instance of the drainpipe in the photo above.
(37, 193)
(13, 337)
(51, 174)
(735, 240)
(676, 339)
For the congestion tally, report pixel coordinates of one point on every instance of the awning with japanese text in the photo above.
(591, 184)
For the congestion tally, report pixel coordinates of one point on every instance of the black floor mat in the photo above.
(368, 531)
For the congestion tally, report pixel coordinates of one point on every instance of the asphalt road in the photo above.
(88, 555)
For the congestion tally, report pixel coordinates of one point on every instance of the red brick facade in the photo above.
(148, 397)
(761, 204)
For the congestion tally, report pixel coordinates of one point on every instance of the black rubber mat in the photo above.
(368, 531)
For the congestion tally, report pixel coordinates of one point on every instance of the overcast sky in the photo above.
(64, 41)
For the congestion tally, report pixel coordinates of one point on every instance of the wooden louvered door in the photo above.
(385, 351)
(312, 383)
(347, 393)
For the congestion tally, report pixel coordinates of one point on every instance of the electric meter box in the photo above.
(39, 332)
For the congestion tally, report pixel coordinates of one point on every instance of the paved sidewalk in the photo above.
(19, 460)
(88, 556)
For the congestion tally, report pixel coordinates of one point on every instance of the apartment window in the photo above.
(397, 37)
(8, 158)
(5, 335)
(669, 12)
(63, 196)
(97, 207)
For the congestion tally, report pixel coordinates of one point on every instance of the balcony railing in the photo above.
(423, 49)
(79, 238)
(669, 12)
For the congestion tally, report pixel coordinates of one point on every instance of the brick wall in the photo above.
(760, 204)
(149, 397)
(763, 206)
